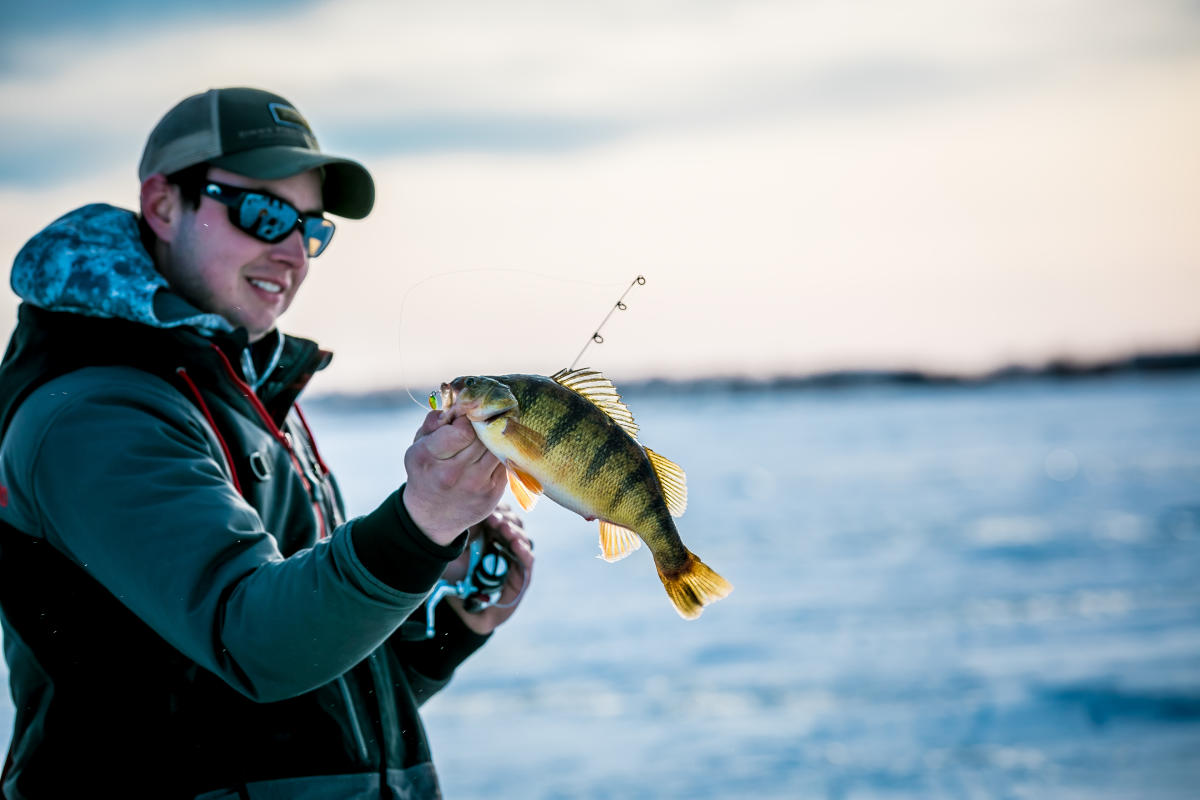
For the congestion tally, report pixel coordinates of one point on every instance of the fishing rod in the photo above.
(640, 280)
(596, 337)
(401, 314)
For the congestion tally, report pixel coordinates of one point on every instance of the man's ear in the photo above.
(161, 206)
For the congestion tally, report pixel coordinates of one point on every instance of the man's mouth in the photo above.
(267, 286)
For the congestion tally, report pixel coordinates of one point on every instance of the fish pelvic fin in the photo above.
(617, 542)
(693, 586)
(530, 444)
(526, 488)
(600, 392)
(673, 481)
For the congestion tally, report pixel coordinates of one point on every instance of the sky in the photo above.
(941, 185)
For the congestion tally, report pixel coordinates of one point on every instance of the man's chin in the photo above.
(257, 334)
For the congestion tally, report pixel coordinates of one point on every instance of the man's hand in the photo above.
(453, 481)
(502, 524)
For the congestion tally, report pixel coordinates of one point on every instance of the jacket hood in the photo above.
(91, 261)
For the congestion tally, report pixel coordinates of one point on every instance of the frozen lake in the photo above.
(959, 592)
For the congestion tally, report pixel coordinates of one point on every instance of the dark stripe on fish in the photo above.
(611, 447)
(650, 513)
(576, 413)
(635, 479)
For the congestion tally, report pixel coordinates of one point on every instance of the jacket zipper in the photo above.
(279, 436)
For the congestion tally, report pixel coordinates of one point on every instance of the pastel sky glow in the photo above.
(805, 185)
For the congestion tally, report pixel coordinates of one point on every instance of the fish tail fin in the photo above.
(693, 586)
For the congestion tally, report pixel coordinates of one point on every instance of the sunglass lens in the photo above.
(265, 217)
(317, 233)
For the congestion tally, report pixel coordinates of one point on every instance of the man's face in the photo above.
(225, 271)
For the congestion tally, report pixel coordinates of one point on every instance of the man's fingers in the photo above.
(504, 522)
(499, 475)
(447, 441)
(523, 548)
(453, 480)
(433, 421)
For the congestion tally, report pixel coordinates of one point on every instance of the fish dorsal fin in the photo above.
(617, 542)
(673, 481)
(524, 486)
(599, 390)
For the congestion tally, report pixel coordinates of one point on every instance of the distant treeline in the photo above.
(1059, 369)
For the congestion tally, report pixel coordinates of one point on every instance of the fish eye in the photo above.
(469, 382)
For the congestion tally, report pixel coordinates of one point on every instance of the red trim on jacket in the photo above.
(279, 435)
(187, 379)
(311, 439)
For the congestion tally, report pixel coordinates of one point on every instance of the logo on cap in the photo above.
(290, 117)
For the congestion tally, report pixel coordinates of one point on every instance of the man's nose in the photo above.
(292, 250)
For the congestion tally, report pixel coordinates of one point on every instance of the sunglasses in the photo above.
(269, 218)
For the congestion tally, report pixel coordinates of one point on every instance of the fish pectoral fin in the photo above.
(528, 442)
(617, 542)
(673, 481)
(524, 486)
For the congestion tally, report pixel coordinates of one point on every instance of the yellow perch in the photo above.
(570, 437)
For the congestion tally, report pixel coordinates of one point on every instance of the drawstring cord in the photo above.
(253, 379)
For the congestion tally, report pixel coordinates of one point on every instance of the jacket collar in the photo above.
(91, 261)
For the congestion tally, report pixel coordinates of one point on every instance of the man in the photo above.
(186, 612)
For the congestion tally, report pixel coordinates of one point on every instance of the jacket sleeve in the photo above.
(430, 663)
(123, 476)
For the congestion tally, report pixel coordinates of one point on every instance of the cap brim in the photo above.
(348, 190)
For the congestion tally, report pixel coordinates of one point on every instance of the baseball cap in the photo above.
(257, 134)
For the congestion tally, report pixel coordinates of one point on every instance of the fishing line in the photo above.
(640, 280)
(427, 279)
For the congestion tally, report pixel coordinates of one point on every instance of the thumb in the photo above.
(433, 420)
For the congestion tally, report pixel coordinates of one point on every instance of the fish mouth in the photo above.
(478, 399)
(452, 394)
(492, 417)
(449, 396)
(479, 410)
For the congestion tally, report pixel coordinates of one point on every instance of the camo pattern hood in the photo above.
(91, 261)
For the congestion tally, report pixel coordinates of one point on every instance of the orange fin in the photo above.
(693, 587)
(528, 442)
(524, 486)
(599, 390)
(673, 481)
(617, 542)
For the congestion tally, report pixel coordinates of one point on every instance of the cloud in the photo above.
(411, 134)
(959, 239)
(397, 78)
(806, 185)
(27, 23)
